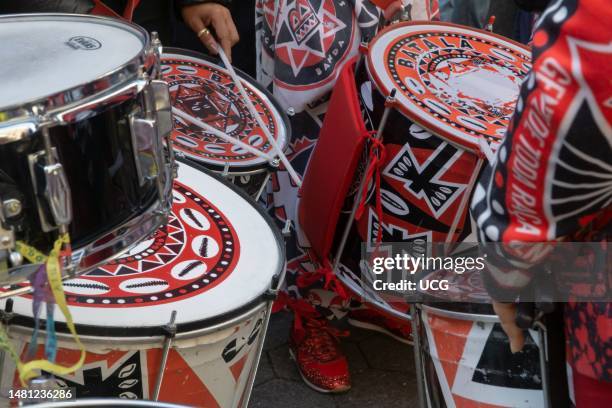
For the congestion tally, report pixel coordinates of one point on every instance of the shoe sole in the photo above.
(311, 385)
(373, 327)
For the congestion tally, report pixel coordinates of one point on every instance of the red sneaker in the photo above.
(370, 319)
(315, 348)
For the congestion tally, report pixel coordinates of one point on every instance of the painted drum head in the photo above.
(459, 83)
(205, 90)
(217, 254)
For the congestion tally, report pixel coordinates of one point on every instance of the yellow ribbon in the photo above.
(29, 370)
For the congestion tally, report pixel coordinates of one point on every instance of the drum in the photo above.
(81, 153)
(455, 90)
(216, 265)
(107, 403)
(206, 91)
(467, 360)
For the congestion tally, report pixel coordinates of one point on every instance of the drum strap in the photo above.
(325, 272)
(31, 369)
(376, 160)
(304, 313)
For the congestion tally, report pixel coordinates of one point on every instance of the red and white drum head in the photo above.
(216, 255)
(205, 90)
(459, 83)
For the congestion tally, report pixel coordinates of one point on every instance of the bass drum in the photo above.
(203, 89)
(467, 360)
(432, 136)
(217, 265)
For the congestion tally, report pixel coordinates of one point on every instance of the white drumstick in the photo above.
(296, 178)
(221, 135)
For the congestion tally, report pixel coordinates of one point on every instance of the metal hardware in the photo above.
(543, 354)
(143, 134)
(275, 163)
(12, 207)
(290, 111)
(156, 44)
(7, 239)
(10, 133)
(15, 258)
(287, 228)
(58, 194)
(418, 358)
(53, 198)
(108, 247)
(226, 168)
(64, 100)
(163, 108)
(171, 333)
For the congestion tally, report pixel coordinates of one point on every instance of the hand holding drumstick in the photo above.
(204, 17)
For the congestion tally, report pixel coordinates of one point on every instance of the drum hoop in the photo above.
(193, 328)
(237, 170)
(474, 317)
(430, 127)
(53, 104)
(108, 402)
(152, 335)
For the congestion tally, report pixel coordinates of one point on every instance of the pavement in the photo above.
(382, 371)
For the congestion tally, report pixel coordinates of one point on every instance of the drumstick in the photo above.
(296, 178)
(221, 135)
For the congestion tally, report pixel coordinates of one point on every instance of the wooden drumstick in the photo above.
(221, 135)
(281, 155)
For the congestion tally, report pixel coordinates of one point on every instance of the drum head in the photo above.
(205, 90)
(45, 54)
(217, 256)
(459, 83)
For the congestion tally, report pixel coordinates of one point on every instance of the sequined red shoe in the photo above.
(370, 319)
(314, 346)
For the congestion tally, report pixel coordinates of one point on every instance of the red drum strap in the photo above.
(376, 160)
(324, 272)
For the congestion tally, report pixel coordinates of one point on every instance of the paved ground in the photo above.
(382, 373)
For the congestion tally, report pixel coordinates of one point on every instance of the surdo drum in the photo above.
(83, 116)
(467, 359)
(208, 277)
(205, 90)
(455, 90)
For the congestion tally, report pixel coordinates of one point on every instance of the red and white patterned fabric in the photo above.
(553, 173)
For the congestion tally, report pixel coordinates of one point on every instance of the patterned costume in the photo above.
(552, 179)
(304, 44)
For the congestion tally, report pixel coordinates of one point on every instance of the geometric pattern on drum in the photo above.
(207, 93)
(439, 72)
(497, 365)
(194, 252)
(394, 233)
(424, 180)
(123, 379)
(210, 374)
(472, 361)
(307, 37)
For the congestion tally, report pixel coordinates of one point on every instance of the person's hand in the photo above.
(507, 317)
(201, 17)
